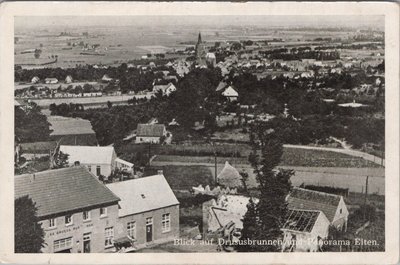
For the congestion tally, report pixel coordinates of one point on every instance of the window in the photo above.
(98, 170)
(109, 237)
(68, 220)
(103, 212)
(166, 222)
(131, 228)
(340, 210)
(86, 215)
(52, 223)
(62, 244)
(149, 221)
(89, 167)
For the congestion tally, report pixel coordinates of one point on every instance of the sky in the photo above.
(221, 21)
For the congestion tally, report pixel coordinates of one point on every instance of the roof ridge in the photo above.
(319, 192)
(304, 210)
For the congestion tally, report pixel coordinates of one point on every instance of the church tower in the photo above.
(200, 51)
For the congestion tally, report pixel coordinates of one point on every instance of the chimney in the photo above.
(32, 178)
(160, 172)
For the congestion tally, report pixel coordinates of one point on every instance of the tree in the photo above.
(29, 234)
(250, 227)
(274, 185)
(109, 104)
(31, 125)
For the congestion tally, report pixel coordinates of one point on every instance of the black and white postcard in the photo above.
(199, 132)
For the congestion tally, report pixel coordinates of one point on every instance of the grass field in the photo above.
(183, 177)
(290, 157)
(318, 158)
(193, 150)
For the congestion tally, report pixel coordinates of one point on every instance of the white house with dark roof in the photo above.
(149, 211)
(99, 160)
(77, 213)
(150, 133)
(333, 206)
(304, 230)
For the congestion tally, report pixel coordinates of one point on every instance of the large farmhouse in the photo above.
(77, 212)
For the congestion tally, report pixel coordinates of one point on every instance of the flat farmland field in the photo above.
(290, 157)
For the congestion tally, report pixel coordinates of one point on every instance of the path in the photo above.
(366, 156)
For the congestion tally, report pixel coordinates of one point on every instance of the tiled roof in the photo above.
(62, 190)
(301, 220)
(143, 194)
(37, 147)
(229, 177)
(153, 130)
(69, 126)
(88, 154)
(314, 200)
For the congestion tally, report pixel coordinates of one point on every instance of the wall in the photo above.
(79, 139)
(340, 219)
(158, 235)
(105, 169)
(145, 139)
(95, 226)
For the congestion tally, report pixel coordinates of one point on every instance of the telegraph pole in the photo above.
(366, 195)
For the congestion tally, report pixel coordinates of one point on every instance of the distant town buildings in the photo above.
(166, 90)
(51, 80)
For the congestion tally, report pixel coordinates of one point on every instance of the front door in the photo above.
(149, 229)
(86, 243)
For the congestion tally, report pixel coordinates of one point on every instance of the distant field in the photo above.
(290, 157)
(86, 100)
(197, 150)
(318, 158)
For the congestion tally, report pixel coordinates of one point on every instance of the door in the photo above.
(149, 233)
(149, 229)
(86, 243)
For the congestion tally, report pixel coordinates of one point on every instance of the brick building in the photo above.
(76, 212)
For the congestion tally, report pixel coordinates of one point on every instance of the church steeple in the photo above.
(199, 39)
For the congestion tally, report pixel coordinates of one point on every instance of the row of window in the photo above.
(86, 216)
(131, 229)
(109, 231)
